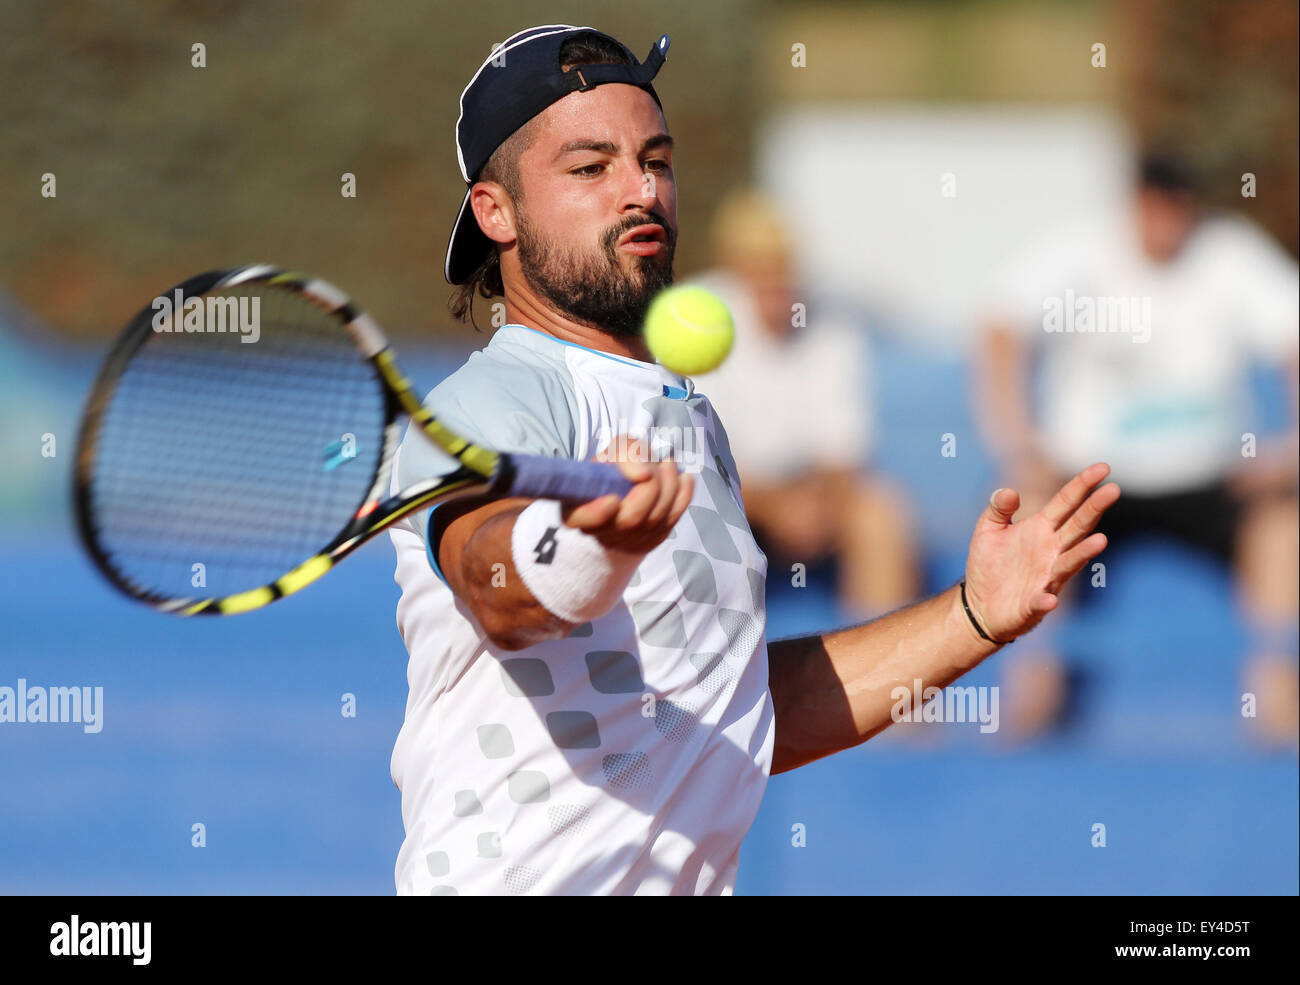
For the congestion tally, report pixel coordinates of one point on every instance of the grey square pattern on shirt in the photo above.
(660, 623)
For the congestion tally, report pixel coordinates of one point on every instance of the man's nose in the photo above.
(637, 188)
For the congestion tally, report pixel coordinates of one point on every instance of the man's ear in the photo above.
(494, 211)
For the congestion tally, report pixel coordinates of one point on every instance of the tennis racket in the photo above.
(238, 443)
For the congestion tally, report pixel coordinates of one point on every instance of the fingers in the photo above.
(685, 490)
(599, 513)
(1002, 507)
(642, 518)
(1073, 493)
(1045, 603)
(594, 514)
(632, 460)
(1086, 516)
(1072, 561)
(638, 505)
(669, 481)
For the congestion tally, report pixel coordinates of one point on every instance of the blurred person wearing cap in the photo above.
(1165, 396)
(796, 389)
(594, 707)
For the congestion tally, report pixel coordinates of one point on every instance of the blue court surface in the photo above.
(236, 724)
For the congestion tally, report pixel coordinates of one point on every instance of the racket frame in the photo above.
(481, 471)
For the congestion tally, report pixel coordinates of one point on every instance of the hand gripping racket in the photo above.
(239, 440)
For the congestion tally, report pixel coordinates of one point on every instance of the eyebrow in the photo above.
(605, 147)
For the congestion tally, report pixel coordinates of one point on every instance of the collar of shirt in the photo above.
(651, 376)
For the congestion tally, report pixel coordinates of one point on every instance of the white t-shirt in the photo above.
(630, 757)
(794, 404)
(1145, 365)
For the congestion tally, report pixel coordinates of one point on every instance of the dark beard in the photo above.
(597, 290)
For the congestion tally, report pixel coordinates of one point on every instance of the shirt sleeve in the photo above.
(1020, 285)
(504, 403)
(1263, 283)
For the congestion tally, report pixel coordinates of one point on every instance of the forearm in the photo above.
(532, 570)
(835, 691)
(1002, 396)
(799, 518)
(764, 502)
(483, 573)
(529, 576)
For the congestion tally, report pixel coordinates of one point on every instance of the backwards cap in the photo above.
(520, 79)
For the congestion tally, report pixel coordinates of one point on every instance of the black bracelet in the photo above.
(970, 615)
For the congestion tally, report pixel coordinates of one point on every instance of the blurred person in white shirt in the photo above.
(795, 391)
(1146, 326)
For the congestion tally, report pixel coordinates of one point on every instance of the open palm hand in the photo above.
(1015, 571)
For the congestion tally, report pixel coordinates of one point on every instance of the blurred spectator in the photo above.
(1145, 327)
(793, 396)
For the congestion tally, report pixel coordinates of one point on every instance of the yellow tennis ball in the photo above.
(689, 330)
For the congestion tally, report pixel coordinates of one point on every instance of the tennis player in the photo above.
(594, 708)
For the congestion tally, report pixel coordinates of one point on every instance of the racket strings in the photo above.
(243, 457)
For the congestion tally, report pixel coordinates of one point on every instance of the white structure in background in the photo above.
(908, 209)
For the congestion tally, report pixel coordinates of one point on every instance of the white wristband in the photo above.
(571, 573)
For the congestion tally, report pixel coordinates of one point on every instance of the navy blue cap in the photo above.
(520, 79)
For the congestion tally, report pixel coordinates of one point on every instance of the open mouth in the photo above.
(645, 240)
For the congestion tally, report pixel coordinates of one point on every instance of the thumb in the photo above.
(1002, 507)
(595, 513)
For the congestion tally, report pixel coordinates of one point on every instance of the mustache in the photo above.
(649, 219)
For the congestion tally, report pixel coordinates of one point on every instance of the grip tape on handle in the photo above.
(538, 477)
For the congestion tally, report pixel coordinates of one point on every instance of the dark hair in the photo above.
(1167, 172)
(587, 48)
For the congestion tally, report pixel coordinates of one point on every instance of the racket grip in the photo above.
(539, 477)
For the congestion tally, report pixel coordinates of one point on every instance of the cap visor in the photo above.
(467, 247)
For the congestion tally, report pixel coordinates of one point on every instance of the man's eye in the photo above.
(590, 169)
(656, 164)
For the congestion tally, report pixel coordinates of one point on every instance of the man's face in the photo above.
(768, 276)
(1165, 220)
(599, 167)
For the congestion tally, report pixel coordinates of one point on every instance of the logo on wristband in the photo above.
(545, 549)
